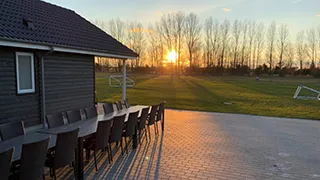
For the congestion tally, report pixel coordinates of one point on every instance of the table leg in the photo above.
(135, 139)
(79, 159)
(162, 121)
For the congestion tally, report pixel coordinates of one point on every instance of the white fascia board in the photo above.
(61, 49)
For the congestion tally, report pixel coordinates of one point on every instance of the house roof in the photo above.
(40, 23)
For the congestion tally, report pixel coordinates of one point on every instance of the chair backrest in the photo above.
(103, 134)
(11, 130)
(119, 105)
(5, 159)
(33, 157)
(108, 108)
(131, 124)
(152, 116)
(115, 106)
(117, 128)
(73, 116)
(91, 112)
(66, 143)
(143, 118)
(126, 103)
(160, 111)
(54, 120)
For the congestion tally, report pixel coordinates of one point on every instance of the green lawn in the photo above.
(269, 97)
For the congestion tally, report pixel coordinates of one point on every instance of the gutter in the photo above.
(43, 94)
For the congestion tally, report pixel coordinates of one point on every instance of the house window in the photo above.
(25, 72)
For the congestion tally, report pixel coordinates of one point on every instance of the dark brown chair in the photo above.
(100, 140)
(160, 116)
(5, 160)
(108, 108)
(119, 105)
(116, 132)
(91, 112)
(64, 151)
(33, 157)
(54, 120)
(152, 119)
(73, 116)
(11, 130)
(130, 127)
(142, 123)
(126, 103)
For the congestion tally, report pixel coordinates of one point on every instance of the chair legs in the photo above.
(111, 157)
(95, 160)
(125, 140)
(121, 147)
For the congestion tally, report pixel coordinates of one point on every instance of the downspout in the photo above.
(124, 80)
(43, 94)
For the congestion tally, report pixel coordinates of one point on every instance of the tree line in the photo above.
(214, 44)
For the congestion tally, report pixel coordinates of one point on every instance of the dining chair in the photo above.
(160, 115)
(126, 103)
(119, 105)
(130, 127)
(6, 159)
(152, 118)
(33, 157)
(91, 112)
(142, 123)
(11, 130)
(73, 116)
(116, 132)
(54, 120)
(64, 152)
(100, 141)
(108, 108)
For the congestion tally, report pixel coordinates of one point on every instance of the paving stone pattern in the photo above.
(200, 145)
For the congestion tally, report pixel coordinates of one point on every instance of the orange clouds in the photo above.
(226, 9)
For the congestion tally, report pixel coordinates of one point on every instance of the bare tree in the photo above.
(135, 39)
(312, 46)
(259, 42)
(116, 28)
(301, 48)
(236, 37)
(290, 55)
(179, 27)
(244, 40)
(225, 32)
(212, 38)
(282, 43)
(192, 35)
(251, 33)
(271, 38)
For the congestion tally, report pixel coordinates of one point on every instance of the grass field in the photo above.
(272, 96)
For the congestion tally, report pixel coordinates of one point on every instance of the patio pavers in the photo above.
(200, 145)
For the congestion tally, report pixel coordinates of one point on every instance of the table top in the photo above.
(89, 126)
(28, 138)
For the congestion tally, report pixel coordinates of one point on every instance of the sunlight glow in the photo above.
(172, 56)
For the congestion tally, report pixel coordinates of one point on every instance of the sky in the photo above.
(298, 14)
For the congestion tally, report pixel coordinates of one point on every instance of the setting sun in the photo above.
(172, 56)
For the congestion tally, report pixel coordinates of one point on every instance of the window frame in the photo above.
(25, 91)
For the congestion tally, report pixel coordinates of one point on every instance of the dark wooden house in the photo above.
(47, 60)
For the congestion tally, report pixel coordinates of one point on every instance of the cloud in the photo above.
(296, 1)
(226, 9)
(159, 13)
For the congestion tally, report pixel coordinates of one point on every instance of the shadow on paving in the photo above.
(126, 166)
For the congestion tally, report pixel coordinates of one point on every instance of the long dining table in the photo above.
(87, 128)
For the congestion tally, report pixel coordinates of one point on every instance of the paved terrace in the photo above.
(199, 145)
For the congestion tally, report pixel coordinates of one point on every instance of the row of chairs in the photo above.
(31, 164)
(108, 131)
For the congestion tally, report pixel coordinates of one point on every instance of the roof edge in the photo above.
(39, 46)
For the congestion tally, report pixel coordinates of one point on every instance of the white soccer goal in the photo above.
(116, 81)
(300, 87)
